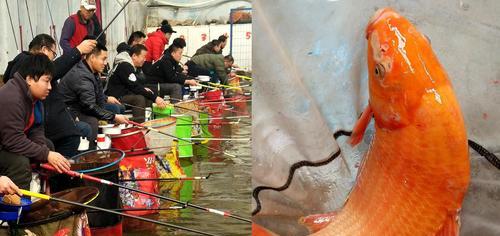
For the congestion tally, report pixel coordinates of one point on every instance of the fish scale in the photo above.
(415, 174)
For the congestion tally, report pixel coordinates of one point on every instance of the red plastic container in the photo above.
(129, 139)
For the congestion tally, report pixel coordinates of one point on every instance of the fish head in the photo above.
(401, 68)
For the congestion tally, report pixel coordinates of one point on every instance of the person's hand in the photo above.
(149, 90)
(160, 102)
(8, 187)
(121, 119)
(191, 82)
(113, 100)
(232, 74)
(182, 37)
(60, 163)
(86, 46)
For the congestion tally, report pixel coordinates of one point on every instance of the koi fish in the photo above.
(414, 176)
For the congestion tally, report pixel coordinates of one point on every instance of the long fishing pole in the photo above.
(50, 198)
(103, 181)
(29, 18)
(106, 28)
(12, 25)
(158, 113)
(20, 26)
(201, 103)
(145, 209)
(175, 137)
(169, 179)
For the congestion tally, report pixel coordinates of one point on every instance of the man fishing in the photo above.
(22, 138)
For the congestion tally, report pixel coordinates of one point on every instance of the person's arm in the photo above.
(170, 74)
(12, 133)
(65, 62)
(126, 75)
(218, 62)
(87, 99)
(66, 34)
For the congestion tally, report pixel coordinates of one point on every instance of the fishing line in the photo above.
(492, 158)
(29, 18)
(293, 168)
(12, 25)
(53, 27)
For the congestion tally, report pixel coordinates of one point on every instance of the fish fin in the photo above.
(450, 226)
(360, 126)
(314, 223)
(258, 230)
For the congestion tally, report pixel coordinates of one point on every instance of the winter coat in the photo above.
(166, 70)
(21, 122)
(83, 93)
(58, 121)
(124, 79)
(155, 43)
(213, 62)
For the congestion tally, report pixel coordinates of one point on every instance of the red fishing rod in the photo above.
(107, 182)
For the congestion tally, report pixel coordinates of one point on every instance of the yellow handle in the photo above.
(225, 86)
(244, 77)
(33, 194)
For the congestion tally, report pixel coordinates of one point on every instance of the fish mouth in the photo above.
(378, 16)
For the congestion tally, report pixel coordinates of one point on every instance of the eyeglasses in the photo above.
(53, 52)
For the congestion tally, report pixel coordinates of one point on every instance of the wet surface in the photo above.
(228, 189)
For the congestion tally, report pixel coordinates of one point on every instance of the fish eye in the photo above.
(379, 70)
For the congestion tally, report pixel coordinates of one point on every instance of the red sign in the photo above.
(248, 35)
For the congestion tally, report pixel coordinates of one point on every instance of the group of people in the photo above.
(50, 102)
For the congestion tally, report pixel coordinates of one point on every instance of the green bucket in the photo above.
(183, 129)
(163, 112)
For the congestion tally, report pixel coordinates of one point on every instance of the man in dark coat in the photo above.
(60, 127)
(22, 137)
(82, 91)
(125, 85)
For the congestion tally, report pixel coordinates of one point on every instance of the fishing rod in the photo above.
(12, 25)
(159, 113)
(182, 139)
(219, 102)
(225, 86)
(245, 77)
(144, 209)
(53, 27)
(201, 103)
(169, 179)
(29, 18)
(106, 28)
(50, 198)
(20, 26)
(103, 181)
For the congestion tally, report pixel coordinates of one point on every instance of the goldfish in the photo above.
(414, 176)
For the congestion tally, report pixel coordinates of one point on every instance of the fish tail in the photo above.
(360, 126)
(315, 223)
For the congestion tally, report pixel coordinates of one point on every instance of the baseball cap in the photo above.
(88, 4)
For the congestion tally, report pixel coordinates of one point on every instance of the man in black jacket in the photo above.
(125, 85)
(165, 76)
(60, 127)
(82, 91)
(22, 138)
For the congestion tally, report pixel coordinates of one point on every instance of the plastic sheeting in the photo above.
(311, 81)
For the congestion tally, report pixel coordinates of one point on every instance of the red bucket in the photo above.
(139, 167)
(129, 139)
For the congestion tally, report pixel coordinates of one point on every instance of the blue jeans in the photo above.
(115, 108)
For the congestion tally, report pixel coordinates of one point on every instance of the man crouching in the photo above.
(22, 138)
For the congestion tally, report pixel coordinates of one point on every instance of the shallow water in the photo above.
(229, 190)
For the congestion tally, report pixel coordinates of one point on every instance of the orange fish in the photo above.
(414, 176)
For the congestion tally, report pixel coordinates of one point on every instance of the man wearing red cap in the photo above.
(79, 25)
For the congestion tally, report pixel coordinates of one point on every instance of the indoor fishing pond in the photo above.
(228, 187)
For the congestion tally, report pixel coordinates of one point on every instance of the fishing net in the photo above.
(308, 88)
